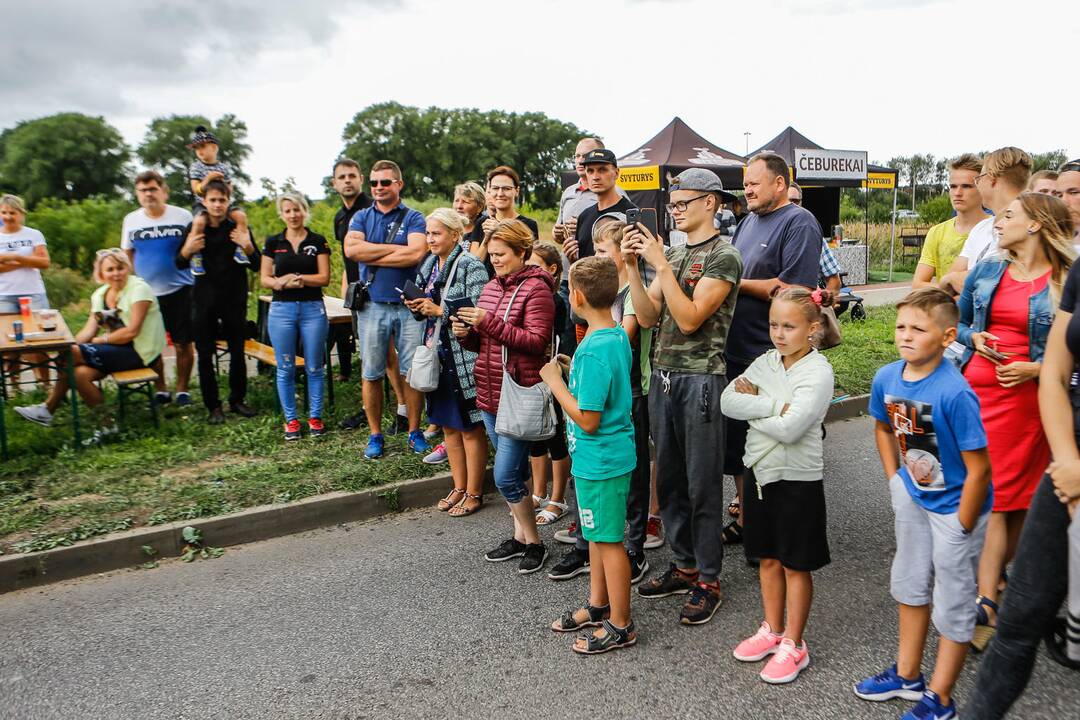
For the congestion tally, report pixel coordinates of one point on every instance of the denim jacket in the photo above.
(979, 288)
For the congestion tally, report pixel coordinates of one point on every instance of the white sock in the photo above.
(403, 410)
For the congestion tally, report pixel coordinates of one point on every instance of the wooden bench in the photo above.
(264, 354)
(911, 242)
(136, 382)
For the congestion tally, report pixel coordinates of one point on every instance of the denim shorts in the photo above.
(376, 324)
(10, 303)
(108, 358)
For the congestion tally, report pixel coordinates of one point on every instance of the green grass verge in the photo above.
(51, 495)
(867, 346)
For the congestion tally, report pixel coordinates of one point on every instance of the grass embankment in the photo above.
(51, 495)
(867, 346)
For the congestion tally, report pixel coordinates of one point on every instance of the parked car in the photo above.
(907, 215)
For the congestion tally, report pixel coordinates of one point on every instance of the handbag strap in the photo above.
(449, 278)
(506, 316)
(390, 233)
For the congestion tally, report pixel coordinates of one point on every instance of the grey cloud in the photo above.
(86, 55)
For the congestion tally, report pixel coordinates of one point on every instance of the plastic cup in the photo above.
(24, 306)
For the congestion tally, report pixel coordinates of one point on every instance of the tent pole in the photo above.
(866, 231)
(892, 235)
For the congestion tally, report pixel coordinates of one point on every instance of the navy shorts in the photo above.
(108, 358)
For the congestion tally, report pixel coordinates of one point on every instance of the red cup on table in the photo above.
(24, 306)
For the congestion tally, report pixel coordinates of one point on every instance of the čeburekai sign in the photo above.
(640, 178)
(815, 164)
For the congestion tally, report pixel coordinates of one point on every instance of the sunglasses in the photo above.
(381, 183)
(1071, 166)
(109, 251)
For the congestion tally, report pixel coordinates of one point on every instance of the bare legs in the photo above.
(783, 589)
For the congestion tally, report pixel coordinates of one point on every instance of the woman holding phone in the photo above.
(514, 313)
(1006, 309)
(296, 266)
(450, 278)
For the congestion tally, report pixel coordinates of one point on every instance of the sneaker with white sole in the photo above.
(436, 456)
(786, 663)
(930, 708)
(36, 413)
(566, 535)
(888, 684)
(758, 646)
(654, 533)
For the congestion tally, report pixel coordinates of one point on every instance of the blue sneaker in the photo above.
(417, 443)
(930, 708)
(374, 449)
(887, 685)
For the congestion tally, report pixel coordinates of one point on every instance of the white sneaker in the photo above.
(101, 435)
(36, 413)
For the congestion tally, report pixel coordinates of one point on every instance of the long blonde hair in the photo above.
(1056, 234)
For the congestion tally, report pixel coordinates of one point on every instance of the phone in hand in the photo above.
(411, 291)
(993, 353)
(645, 216)
(454, 305)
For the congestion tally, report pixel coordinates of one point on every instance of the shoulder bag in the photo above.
(357, 294)
(424, 372)
(525, 413)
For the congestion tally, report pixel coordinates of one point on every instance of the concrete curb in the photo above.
(124, 549)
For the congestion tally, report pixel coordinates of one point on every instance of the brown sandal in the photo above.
(460, 510)
(446, 503)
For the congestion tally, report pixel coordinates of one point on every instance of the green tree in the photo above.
(1048, 160)
(165, 148)
(438, 148)
(70, 156)
(75, 230)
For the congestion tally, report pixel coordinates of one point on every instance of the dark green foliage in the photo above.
(69, 156)
(165, 148)
(438, 148)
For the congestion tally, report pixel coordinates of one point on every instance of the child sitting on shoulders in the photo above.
(933, 447)
(600, 436)
(206, 168)
(784, 395)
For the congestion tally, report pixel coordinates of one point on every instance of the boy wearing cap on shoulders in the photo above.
(205, 169)
(691, 301)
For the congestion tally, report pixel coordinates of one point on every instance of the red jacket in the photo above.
(526, 333)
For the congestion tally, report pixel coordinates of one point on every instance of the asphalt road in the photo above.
(402, 618)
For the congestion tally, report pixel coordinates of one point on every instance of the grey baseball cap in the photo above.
(701, 180)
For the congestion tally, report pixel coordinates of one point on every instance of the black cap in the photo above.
(600, 155)
(202, 135)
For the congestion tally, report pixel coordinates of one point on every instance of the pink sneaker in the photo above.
(760, 645)
(786, 664)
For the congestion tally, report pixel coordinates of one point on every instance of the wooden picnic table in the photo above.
(54, 345)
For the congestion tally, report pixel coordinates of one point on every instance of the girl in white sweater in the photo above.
(784, 395)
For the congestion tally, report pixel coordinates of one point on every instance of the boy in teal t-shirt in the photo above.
(600, 436)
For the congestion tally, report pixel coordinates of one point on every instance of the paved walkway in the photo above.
(402, 618)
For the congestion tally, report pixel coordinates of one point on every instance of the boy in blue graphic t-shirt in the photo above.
(600, 437)
(933, 447)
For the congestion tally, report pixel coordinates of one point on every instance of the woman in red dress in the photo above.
(1006, 310)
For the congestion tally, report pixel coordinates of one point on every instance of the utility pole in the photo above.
(747, 136)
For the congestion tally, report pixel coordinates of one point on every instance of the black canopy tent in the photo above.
(821, 195)
(646, 172)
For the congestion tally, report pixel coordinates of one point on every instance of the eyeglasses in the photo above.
(681, 206)
(979, 177)
(385, 182)
(496, 189)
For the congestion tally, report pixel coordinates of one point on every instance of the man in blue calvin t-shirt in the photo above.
(387, 240)
(780, 244)
(152, 235)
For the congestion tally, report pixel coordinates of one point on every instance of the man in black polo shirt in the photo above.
(602, 174)
(220, 296)
(348, 182)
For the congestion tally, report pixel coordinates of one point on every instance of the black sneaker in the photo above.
(400, 425)
(638, 566)
(242, 409)
(701, 605)
(353, 421)
(672, 582)
(162, 398)
(508, 550)
(575, 562)
(533, 558)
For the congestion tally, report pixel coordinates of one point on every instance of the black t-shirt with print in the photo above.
(303, 260)
(341, 229)
(588, 218)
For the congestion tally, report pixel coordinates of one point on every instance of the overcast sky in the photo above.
(892, 77)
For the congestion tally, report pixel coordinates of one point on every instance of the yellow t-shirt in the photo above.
(151, 338)
(943, 243)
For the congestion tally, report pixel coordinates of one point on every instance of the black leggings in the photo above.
(556, 444)
(1037, 586)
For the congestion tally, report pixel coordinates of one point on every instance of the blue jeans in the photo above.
(511, 463)
(287, 323)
